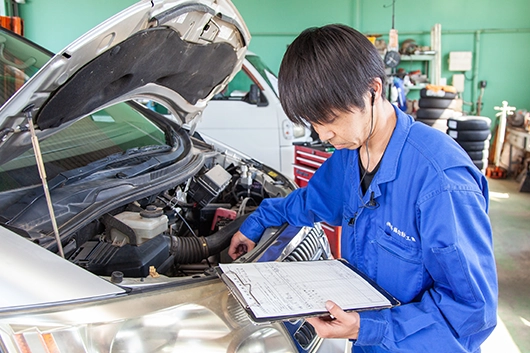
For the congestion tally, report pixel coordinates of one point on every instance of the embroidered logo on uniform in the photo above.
(400, 232)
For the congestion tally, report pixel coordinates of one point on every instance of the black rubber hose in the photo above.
(189, 250)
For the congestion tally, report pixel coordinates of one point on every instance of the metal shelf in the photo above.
(417, 87)
(418, 57)
(431, 61)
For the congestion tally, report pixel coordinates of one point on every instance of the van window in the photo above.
(237, 88)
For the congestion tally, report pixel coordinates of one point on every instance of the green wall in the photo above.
(55, 23)
(497, 32)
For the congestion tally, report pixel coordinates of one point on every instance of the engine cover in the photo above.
(103, 258)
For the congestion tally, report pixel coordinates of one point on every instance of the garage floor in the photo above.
(510, 219)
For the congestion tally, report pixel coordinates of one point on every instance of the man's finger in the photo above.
(335, 311)
(239, 245)
(237, 251)
(233, 251)
(322, 325)
(241, 250)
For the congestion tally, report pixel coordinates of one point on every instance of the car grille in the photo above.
(305, 335)
(314, 246)
(311, 247)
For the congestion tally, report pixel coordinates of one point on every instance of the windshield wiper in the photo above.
(133, 153)
(77, 174)
(150, 164)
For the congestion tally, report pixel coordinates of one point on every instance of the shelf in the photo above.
(416, 87)
(415, 57)
(431, 59)
(418, 57)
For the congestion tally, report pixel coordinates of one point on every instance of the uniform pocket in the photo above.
(399, 265)
(405, 250)
(453, 273)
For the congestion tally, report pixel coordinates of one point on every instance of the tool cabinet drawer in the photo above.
(306, 161)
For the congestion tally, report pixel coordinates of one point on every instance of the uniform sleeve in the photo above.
(320, 200)
(460, 306)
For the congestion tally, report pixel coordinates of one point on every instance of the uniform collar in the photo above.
(388, 170)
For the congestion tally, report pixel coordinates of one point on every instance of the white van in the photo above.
(248, 116)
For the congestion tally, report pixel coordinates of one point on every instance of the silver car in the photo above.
(113, 216)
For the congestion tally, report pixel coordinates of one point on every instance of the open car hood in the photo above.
(177, 53)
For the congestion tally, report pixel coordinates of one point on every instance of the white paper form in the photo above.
(283, 289)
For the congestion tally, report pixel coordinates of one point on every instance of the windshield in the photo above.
(19, 61)
(110, 131)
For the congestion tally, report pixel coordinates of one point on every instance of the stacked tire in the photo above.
(435, 107)
(473, 134)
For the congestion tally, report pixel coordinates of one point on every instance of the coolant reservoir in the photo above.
(146, 225)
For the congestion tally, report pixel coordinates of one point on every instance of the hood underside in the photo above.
(173, 52)
(156, 55)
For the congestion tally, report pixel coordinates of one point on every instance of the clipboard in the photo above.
(277, 291)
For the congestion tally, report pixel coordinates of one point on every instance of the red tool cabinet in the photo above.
(307, 159)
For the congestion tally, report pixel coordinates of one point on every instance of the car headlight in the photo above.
(199, 317)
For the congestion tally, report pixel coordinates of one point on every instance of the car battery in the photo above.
(208, 186)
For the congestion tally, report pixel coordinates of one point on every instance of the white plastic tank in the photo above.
(146, 225)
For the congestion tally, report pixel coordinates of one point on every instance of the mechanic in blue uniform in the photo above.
(412, 206)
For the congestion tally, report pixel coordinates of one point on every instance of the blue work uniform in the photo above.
(421, 231)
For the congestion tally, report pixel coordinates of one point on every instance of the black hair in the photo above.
(327, 70)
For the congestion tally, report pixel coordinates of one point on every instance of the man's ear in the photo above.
(376, 86)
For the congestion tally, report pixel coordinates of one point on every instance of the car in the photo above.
(113, 216)
(248, 116)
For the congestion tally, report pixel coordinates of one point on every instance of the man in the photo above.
(412, 206)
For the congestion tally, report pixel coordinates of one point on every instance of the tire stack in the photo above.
(436, 107)
(473, 134)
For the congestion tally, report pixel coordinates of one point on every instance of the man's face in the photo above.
(348, 129)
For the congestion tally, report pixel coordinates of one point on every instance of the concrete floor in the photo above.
(510, 219)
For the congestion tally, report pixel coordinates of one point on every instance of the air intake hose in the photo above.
(189, 250)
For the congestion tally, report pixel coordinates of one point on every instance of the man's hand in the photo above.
(240, 245)
(341, 324)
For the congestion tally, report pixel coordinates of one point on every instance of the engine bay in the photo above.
(180, 231)
(167, 209)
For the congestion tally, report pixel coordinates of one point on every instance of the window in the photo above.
(19, 60)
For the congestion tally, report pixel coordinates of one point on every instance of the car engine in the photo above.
(174, 219)
(181, 231)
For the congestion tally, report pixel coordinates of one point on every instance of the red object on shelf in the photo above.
(306, 161)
